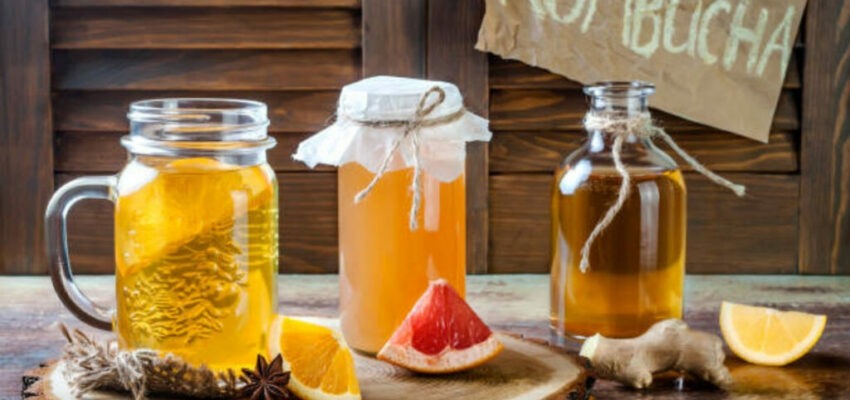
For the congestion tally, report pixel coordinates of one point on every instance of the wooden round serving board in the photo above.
(526, 369)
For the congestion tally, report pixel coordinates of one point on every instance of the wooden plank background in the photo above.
(26, 154)
(825, 202)
(295, 55)
(451, 30)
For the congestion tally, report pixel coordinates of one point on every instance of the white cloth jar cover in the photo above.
(376, 113)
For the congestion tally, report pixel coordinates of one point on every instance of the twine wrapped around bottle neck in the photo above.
(641, 126)
(411, 128)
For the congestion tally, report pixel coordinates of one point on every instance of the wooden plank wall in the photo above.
(825, 194)
(26, 162)
(296, 54)
(452, 29)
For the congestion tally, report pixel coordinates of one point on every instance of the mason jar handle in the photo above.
(56, 224)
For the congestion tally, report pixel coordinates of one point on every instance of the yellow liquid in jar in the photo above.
(197, 257)
(637, 264)
(385, 267)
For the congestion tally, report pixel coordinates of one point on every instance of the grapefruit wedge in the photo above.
(441, 334)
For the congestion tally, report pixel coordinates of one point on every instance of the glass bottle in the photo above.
(637, 265)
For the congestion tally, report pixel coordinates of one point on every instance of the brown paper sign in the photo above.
(716, 62)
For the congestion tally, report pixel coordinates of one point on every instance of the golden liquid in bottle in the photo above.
(196, 249)
(637, 265)
(384, 266)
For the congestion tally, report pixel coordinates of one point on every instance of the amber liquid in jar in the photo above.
(637, 264)
(384, 266)
(197, 250)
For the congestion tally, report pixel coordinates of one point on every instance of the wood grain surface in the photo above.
(524, 369)
(548, 109)
(101, 152)
(204, 69)
(106, 111)
(452, 28)
(543, 151)
(394, 37)
(760, 229)
(825, 203)
(26, 150)
(209, 3)
(509, 74)
(516, 303)
(204, 28)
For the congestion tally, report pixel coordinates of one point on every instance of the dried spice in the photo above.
(93, 365)
(266, 381)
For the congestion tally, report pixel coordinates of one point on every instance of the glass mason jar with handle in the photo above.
(196, 233)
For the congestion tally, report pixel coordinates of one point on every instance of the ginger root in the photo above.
(667, 345)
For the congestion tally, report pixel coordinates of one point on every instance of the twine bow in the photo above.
(411, 128)
(642, 127)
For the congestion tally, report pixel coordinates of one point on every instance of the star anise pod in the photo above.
(266, 381)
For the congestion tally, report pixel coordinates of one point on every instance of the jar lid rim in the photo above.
(620, 89)
(198, 104)
(198, 120)
(137, 144)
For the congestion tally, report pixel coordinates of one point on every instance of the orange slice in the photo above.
(163, 206)
(441, 334)
(766, 336)
(319, 360)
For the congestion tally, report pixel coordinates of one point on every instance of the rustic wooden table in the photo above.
(30, 313)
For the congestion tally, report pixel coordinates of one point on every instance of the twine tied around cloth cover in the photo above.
(640, 126)
(411, 128)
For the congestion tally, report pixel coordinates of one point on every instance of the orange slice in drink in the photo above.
(320, 363)
(168, 204)
(441, 334)
(766, 336)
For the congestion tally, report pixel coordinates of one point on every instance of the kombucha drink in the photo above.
(637, 265)
(384, 266)
(196, 243)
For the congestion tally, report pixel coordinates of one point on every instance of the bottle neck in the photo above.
(599, 141)
(617, 107)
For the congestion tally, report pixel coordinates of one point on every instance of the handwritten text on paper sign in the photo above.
(720, 63)
(650, 25)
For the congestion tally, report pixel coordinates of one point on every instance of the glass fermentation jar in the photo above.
(384, 265)
(196, 233)
(637, 264)
(400, 145)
